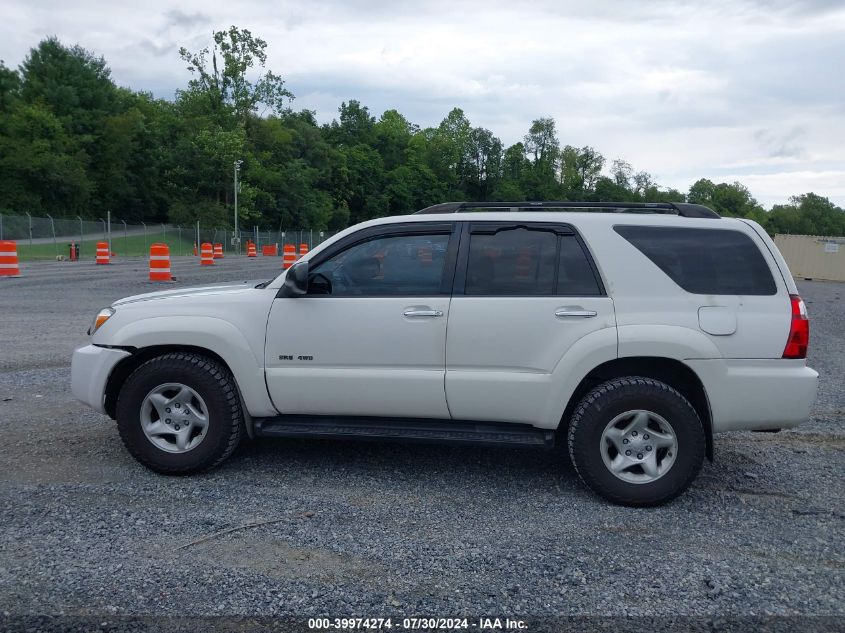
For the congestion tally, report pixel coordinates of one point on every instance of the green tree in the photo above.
(728, 199)
(807, 214)
(608, 190)
(223, 79)
(38, 167)
(541, 141)
(702, 191)
(484, 164)
(355, 126)
(622, 173)
(580, 170)
(75, 86)
(391, 135)
(365, 183)
(539, 181)
(10, 85)
(73, 83)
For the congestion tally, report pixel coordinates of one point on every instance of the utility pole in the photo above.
(53, 229)
(236, 236)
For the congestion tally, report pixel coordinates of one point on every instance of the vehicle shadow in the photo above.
(401, 459)
(460, 471)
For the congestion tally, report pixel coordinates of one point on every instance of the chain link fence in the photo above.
(280, 237)
(51, 238)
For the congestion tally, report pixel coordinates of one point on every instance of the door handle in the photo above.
(422, 312)
(575, 312)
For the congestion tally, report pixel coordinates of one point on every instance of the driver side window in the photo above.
(397, 265)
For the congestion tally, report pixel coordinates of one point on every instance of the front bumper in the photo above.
(754, 394)
(90, 369)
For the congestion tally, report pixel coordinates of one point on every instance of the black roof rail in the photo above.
(683, 209)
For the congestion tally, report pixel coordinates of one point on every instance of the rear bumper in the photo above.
(90, 369)
(757, 394)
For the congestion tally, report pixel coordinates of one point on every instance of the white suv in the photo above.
(630, 333)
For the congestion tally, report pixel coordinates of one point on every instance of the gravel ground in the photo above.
(343, 529)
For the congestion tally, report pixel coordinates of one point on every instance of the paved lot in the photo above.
(382, 529)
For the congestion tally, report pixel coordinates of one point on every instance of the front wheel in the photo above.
(180, 413)
(636, 441)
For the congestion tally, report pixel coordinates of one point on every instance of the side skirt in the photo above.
(404, 430)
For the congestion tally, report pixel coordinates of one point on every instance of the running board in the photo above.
(410, 430)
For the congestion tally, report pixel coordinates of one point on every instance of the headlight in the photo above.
(102, 316)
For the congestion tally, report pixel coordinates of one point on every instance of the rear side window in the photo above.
(520, 261)
(704, 261)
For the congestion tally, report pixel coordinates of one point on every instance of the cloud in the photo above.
(680, 88)
(159, 50)
(182, 20)
(782, 144)
(779, 187)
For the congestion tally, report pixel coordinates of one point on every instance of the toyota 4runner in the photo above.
(628, 333)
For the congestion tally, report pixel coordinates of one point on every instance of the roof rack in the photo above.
(682, 209)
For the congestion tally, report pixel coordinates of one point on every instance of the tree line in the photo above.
(74, 143)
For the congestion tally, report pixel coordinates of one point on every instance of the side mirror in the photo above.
(296, 281)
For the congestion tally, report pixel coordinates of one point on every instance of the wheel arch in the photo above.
(671, 371)
(139, 356)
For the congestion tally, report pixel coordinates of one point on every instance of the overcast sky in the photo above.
(735, 90)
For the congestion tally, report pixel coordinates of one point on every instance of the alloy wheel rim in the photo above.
(174, 418)
(639, 446)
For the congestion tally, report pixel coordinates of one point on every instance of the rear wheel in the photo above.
(180, 413)
(636, 441)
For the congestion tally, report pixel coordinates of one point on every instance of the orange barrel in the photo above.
(102, 253)
(250, 250)
(160, 262)
(9, 259)
(303, 249)
(206, 254)
(218, 251)
(195, 249)
(289, 258)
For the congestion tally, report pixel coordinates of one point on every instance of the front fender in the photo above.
(211, 333)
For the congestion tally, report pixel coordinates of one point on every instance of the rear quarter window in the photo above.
(704, 261)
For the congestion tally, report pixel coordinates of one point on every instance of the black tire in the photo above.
(210, 380)
(615, 397)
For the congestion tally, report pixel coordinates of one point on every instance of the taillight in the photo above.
(799, 330)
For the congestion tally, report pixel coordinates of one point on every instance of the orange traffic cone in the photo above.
(160, 262)
(303, 249)
(9, 259)
(102, 253)
(289, 258)
(206, 255)
(251, 250)
(218, 251)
